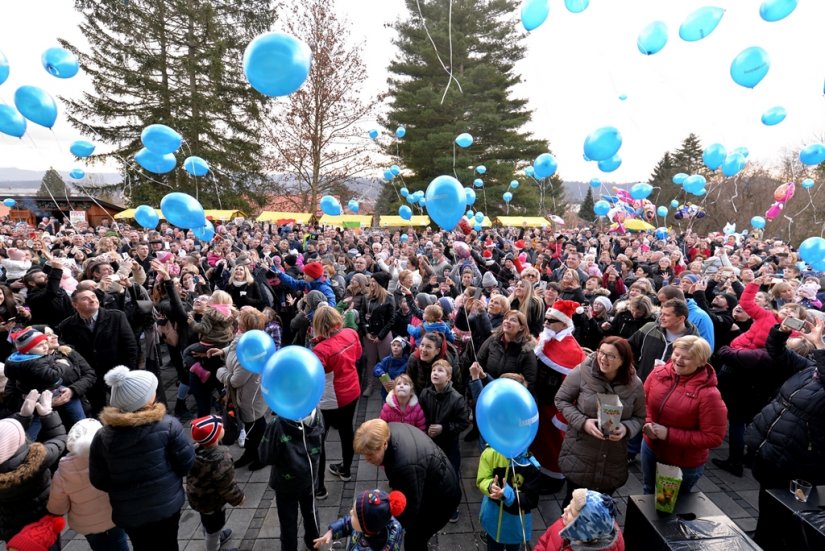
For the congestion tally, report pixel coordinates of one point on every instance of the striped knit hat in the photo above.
(27, 338)
(207, 430)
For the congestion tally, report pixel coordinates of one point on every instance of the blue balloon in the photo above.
(11, 121)
(595, 183)
(400, 132)
(733, 164)
(758, 222)
(470, 195)
(160, 139)
(742, 151)
(641, 191)
(422, 202)
(82, 148)
(154, 162)
(611, 164)
(514, 184)
(812, 250)
(807, 183)
(254, 349)
(405, 212)
(388, 175)
(9, 202)
(774, 115)
(412, 198)
(534, 13)
(508, 417)
(601, 207)
(813, 154)
(622, 97)
(603, 143)
(469, 214)
(576, 6)
(395, 170)
(529, 171)
(478, 227)
(60, 62)
(293, 382)
(818, 266)
(481, 169)
(404, 192)
(750, 67)
(652, 38)
(205, 233)
(545, 166)
(330, 205)
(478, 182)
(661, 211)
(147, 217)
(404, 238)
(674, 204)
(775, 10)
(507, 196)
(714, 155)
(464, 140)
(700, 23)
(661, 234)
(679, 178)
(479, 217)
(36, 105)
(276, 64)
(373, 133)
(694, 184)
(4, 68)
(196, 166)
(353, 206)
(182, 210)
(77, 174)
(445, 201)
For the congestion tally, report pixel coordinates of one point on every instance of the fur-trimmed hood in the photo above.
(114, 417)
(28, 467)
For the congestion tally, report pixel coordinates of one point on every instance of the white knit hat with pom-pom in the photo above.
(81, 435)
(131, 390)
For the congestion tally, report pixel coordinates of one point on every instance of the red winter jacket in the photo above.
(552, 541)
(692, 410)
(338, 355)
(763, 321)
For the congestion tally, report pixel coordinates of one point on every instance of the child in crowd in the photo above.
(588, 522)
(371, 523)
(393, 365)
(516, 484)
(401, 404)
(211, 483)
(72, 492)
(293, 448)
(446, 414)
(273, 327)
(433, 322)
(216, 329)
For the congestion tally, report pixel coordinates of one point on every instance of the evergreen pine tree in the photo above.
(52, 185)
(688, 158)
(481, 47)
(586, 209)
(174, 62)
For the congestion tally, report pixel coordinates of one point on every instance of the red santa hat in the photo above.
(563, 310)
(488, 243)
(519, 244)
(487, 254)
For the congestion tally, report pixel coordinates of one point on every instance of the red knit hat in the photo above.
(38, 536)
(207, 430)
(375, 509)
(27, 338)
(314, 270)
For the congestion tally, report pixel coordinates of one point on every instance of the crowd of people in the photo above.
(697, 337)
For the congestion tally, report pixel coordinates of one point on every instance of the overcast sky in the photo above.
(577, 66)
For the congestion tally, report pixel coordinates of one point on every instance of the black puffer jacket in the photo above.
(51, 304)
(446, 408)
(624, 324)
(418, 468)
(379, 316)
(140, 460)
(788, 434)
(282, 447)
(25, 478)
(496, 359)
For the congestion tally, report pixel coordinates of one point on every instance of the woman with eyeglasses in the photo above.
(593, 456)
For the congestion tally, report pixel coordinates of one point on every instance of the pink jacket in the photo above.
(412, 414)
(763, 320)
(88, 508)
(552, 541)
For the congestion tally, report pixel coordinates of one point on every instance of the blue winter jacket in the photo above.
(317, 285)
(702, 321)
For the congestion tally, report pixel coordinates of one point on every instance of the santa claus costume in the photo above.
(558, 353)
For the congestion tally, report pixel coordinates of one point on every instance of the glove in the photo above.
(44, 404)
(28, 403)
(509, 495)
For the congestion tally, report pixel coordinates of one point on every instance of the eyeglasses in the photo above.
(549, 321)
(609, 357)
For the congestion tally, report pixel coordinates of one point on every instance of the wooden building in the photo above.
(31, 208)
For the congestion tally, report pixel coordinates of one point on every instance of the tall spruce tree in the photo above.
(52, 185)
(174, 62)
(586, 208)
(481, 47)
(687, 158)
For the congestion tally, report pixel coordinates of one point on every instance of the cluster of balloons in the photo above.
(602, 145)
(715, 156)
(781, 195)
(508, 417)
(276, 64)
(812, 251)
(330, 205)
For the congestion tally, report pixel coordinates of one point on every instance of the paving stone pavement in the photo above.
(255, 524)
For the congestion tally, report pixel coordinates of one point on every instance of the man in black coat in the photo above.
(102, 336)
(48, 302)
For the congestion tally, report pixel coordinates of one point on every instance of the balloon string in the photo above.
(40, 153)
(427, 31)
(454, 158)
(518, 502)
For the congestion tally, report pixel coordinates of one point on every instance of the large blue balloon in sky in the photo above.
(812, 250)
(641, 191)
(330, 205)
(774, 10)
(155, 162)
(405, 212)
(276, 64)
(147, 217)
(471, 195)
(464, 140)
(445, 201)
(813, 154)
(196, 166)
(4, 68)
(611, 164)
(750, 67)
(733, 164)
(182, 210)
(601, 207)
(576, 6)
(82, 148)
(700, 23)
(205, 233)
(160, 139)
(714, 155)
(652, 38)
(679, 178)
(774, 116)
(11, 121)
(602, 143)
(545, 166)
(60, 62)
(36, 105)
(534, 13)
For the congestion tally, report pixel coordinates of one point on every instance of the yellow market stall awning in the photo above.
(523, 221)
(273, 216)
(129, 214)
(398, 222)
(347, 220)
(224, 215)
